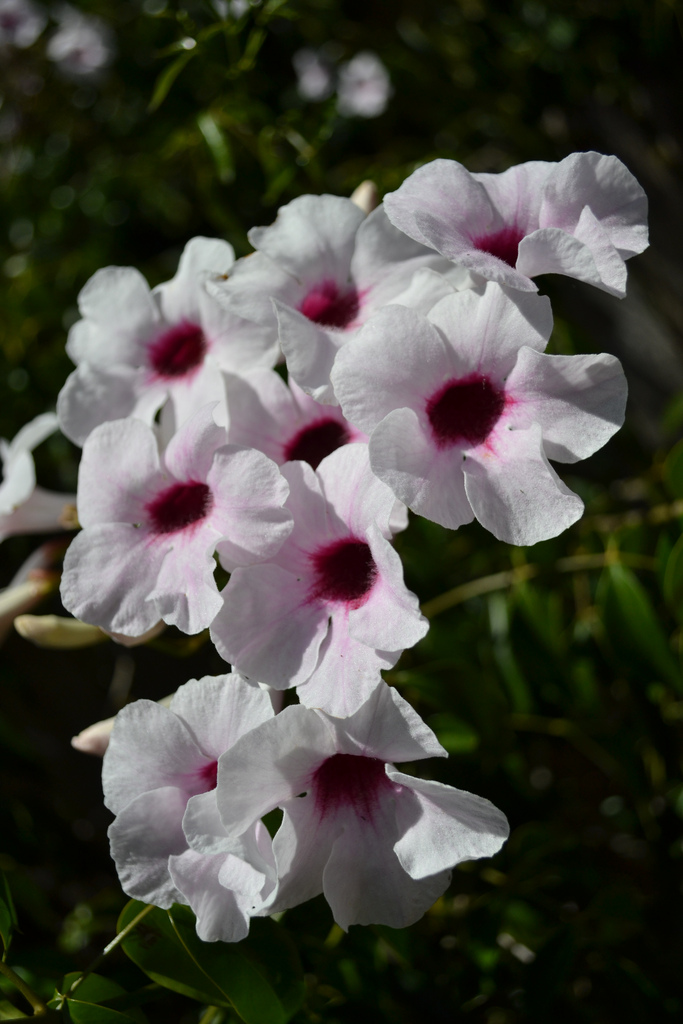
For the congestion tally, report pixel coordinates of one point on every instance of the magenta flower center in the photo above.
(179, 506)
(503, 244)
(209, 776)
(178, 350)
(344, 571)
(465, 411)
(350, 781)
(314, 442)
(326, 305)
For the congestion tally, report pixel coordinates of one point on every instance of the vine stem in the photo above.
(521, 573)
(38, 1005)
(108, 949)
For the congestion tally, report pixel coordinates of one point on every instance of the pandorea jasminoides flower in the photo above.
(134, 348)
(282, 420)
(82, 46)
(324, 267)
(160, 767)
(378, 843)
(25, 508)
(464, 410)
(582, 217)
(364, 86)
(21, 22)
(152, 522)
(330, 610)
(314, 78)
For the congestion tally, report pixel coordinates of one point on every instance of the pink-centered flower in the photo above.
(283, 421)
(582, 217)
(379, 844)
(152, 522)
(160, 770)
(136, 348)
(330, 610)
(464, 410)
(324, 268)
(24, 507)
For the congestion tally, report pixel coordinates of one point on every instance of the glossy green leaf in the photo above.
(632, 623)
(259, 977)
(219, 147)
(8, 915)
(95, 989)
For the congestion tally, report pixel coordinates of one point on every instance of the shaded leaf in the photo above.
(167, 78)
(673, 470)
(259, 977)
(8, 915)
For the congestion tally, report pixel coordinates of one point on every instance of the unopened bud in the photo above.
(366, 196)
(56, 631)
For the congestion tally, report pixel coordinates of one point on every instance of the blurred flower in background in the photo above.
(364, 87)
(82, 45)
(315, 79)
(21, 22)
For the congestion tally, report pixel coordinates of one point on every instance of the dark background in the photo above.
(559, 698)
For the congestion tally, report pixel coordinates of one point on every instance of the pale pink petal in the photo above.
(387, 727)
(108, 572)
(390, 619)
(221, 912)
(397, 360)
(487, 331)
(261, 410)
(518, 192)
(142, 837)
(313, 236)
(579, 401)
(220, 709)
(122, 311)
(553, 251)
(302, 848)
(446, 192)
(189, 455)
(203, 387)
(93, 395)
(428, 480)
(364, 882)
(358, 498)
(42, 512)
(514, 491)
(315, 523)
(250, 285)
(249, 493)
(118, 473)
(270, 765)
(150, 748)
(381, 247)
(452, 826)
(32, 434)
(184, 593)
(235, 343)
(309, 352)
(266, 629)
(605, 185)
(347, 671)
(179, 298)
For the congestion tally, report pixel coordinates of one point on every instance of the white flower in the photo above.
(82, 45)
(21, 22)
(364, 86)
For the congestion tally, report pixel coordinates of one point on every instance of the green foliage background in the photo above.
(553, 675)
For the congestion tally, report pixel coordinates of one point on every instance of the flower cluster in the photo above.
(416, 377)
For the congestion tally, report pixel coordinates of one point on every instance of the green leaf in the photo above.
(673, 470)
(80, 1012)
(260, 977)
(673, 579)
(95, 989)
(632, 623)
(8, 915)
(168, 77)
(219, 147)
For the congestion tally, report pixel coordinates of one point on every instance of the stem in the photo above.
(38, 1005)
(510, 577)
(657, 514)
(109, 948)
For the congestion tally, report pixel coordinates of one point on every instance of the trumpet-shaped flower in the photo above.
(160, 767)
(582, 217)
(135, 348)
(152, 522)
(282, 420)
(325, 268)
(465, 410)
(24, 507)
(330, 610)
(378, 843)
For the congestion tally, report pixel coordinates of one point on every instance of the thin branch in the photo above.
(521, 573)
(38, 1005)
(636, 517)
(124, 933)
